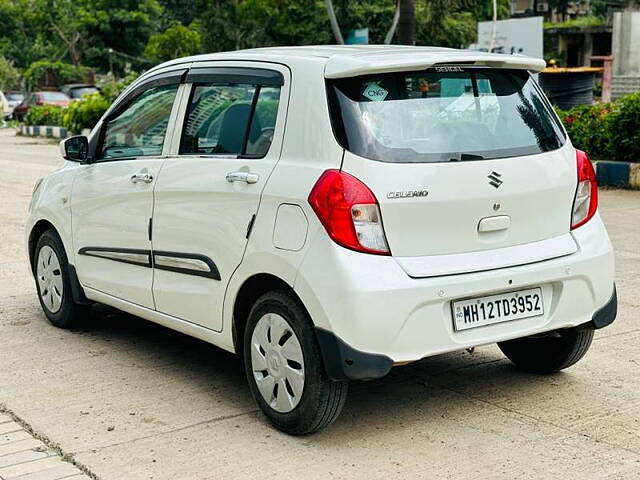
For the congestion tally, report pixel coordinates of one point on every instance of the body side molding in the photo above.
(179, 262)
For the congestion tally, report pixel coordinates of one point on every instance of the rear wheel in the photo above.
(550, 352)
(284, 367)
(51, 270)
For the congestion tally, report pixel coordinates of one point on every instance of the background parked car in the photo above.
(77, 90)
(14, 99)
(4, 108)
(40, 98)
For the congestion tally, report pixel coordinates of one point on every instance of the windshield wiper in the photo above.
(463, 157)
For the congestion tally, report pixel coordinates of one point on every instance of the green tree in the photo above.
(176, 41)
(9, 75)
(235, 24)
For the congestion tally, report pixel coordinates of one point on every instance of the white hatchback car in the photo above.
(330, 212)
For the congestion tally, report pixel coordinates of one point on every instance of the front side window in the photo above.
(139, 131)
(230, 119)
(441, 116)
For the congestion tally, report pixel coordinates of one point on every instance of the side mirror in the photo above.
(75, 149)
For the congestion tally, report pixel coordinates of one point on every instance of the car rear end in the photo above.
(461, 216)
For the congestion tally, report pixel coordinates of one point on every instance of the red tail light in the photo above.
(585, 202)
(349, 212)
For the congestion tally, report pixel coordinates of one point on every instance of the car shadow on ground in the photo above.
(431, 390)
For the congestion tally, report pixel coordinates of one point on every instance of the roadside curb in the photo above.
(44, 131)
(48, 131)
(618, 174)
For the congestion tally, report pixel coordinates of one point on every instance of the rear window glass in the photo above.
(79, 92)
(441, 116)
(217, 121)
(54, 96)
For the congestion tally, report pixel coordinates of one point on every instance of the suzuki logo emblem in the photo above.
(495, 180)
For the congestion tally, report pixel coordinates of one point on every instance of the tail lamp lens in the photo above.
(349, 212)
(585, 202)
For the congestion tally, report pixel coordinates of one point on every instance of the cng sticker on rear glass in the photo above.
(374, 92)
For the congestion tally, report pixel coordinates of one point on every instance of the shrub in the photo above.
(52, 73)
(84, 113)
(624, 125)
(589, 128)
(111, 90)
(44, 115)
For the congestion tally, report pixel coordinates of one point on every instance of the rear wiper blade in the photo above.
(465, 157)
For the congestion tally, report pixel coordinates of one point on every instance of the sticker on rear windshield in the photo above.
(374, 92)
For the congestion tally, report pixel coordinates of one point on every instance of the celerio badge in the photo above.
(408, 194)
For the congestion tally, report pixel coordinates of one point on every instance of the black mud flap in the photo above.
(607, 314)
(342, 362)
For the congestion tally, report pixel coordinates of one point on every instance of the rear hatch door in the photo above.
(470, 167)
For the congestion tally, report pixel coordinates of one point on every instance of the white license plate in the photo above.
(504, 307)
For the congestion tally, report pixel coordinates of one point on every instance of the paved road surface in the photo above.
(126, 399)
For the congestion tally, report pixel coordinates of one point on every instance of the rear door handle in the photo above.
(141, 178)
(245, 177)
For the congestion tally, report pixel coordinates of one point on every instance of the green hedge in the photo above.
(606, 130)
(624, 125)
(84, 113)
(44, 115)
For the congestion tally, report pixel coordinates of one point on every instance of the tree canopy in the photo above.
(112, 35)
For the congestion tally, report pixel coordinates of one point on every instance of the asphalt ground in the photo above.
(126, 399)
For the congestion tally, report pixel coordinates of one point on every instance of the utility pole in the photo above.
(394, 24)
(407, 22)
(494, 26)
(335, 27)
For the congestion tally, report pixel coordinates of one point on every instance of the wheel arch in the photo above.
(251, 289)
(37, 230)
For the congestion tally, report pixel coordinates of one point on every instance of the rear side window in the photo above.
(230, 119)
(54, 96)
(140, 129)
(441, 116)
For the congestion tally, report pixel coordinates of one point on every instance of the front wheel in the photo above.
(53, 282)
(550, 352)
(284, 367)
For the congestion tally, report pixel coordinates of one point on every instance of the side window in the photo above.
(140, 129)
(264, 121)
(230, 119)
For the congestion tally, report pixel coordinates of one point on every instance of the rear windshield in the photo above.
(80, 91)
(442, 116)
(54, 96)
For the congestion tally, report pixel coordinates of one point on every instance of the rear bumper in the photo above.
(372, 306)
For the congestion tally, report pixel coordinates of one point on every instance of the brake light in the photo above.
(585, 202)
(349, 212)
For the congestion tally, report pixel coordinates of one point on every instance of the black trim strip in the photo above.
(91, 252)
(235, 75)
(213, 269)
(213, 272)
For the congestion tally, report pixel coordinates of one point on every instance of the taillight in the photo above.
(585, 202)
(349, 212)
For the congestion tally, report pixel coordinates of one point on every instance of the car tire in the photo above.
(53, 283)
(280, 346)
(549, 353)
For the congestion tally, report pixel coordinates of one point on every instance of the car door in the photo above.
(112, 199)
(209, 191)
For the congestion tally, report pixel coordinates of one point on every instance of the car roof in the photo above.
(351, 60)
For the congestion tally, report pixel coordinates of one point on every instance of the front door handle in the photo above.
(141, 178)
(245, 177)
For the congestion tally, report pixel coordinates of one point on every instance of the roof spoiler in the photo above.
(342, 66)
